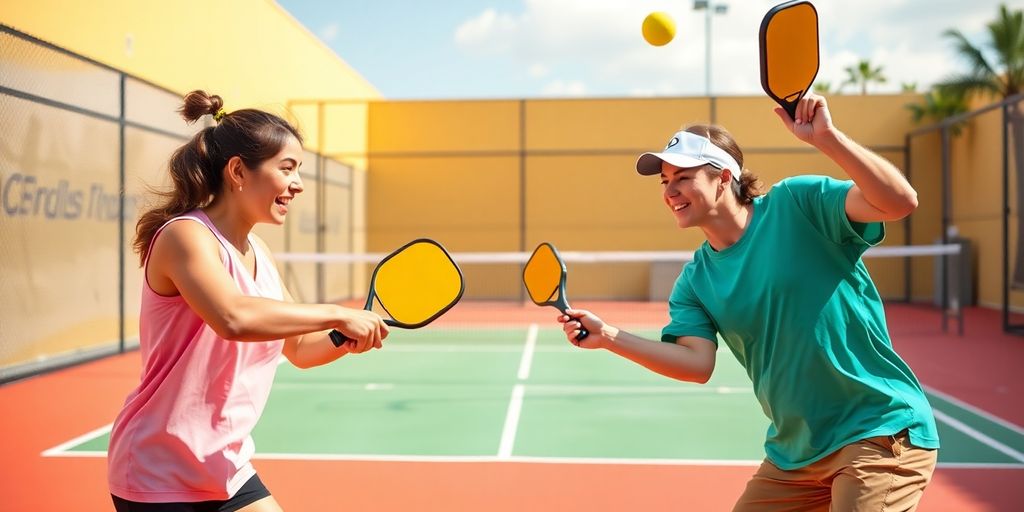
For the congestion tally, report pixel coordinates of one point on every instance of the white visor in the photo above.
(687, 150)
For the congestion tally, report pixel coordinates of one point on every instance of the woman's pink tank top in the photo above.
(184, 433)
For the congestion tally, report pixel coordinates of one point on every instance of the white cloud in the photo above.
(329, 32)
(653, 90)
(599, 42)
(487, 33)
(560, 88)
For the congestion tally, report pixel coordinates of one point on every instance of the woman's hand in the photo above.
(365, 330)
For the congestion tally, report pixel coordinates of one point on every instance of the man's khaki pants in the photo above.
(882, 473)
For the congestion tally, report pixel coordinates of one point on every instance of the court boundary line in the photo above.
(504, 453)
(977, 436)
(633, 390)
(491, 459)
(515, 404)
(510, 427)
(63, 448)
(508, 432)
(976, 410)
(527, 360)
(539, 388)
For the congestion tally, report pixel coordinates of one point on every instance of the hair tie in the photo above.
(220, 115)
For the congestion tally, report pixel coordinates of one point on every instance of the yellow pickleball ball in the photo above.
(658, 28)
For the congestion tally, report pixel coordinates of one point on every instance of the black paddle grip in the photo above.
(337, 338)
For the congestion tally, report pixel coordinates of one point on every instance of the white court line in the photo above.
(984, 414)
(508, 432)
(463, 459)
(427, 348)
(471, 349)
(508, 438)
(632, 390)
(516, 459)
(539, 388)
(980, 465)
(527, 360)
(515, 405)
(572, 460)
(515, 408)
(76, 454)
(60, 449)
(344, 386)
(978, 436)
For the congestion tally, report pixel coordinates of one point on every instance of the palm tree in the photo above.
(938, 105)
(908, 87)
(997, 69)
(823, 88)
(863, 74)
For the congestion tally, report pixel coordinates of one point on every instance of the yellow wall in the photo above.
(506, 175)
(251, 52)
(335, 127)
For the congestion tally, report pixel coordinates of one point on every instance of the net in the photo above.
(629, 288)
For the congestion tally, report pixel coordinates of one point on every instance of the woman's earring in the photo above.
(239, 188)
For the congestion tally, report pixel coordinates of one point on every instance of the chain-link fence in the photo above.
(975, 163)
(83, 144)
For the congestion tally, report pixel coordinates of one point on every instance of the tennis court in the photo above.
(468, 405)
(525, 393)
(488, 408)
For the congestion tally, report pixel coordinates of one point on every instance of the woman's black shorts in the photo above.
(251, 492)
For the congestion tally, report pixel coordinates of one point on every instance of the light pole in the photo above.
(707, 7)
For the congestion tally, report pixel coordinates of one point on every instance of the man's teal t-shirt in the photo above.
(795, 304)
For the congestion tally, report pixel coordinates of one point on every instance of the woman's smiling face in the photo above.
(275, 183)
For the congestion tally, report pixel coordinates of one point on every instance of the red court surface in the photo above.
(982, 368)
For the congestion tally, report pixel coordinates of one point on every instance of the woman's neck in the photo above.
(231, 224)
(726, 224)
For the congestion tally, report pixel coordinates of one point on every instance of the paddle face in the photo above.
(544, 277)
(789, 52)
(414, 285)
(417, 284)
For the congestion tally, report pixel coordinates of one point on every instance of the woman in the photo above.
(781, 280)
(216, 317)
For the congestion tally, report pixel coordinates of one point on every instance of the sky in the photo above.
(474, 49)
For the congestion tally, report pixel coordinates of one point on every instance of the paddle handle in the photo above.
(583, 333)
(583, 330)
(339, 339)
(563, 305)
(790, 107)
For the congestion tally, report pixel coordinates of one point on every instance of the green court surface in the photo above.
(527, 394)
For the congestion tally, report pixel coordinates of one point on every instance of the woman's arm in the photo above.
(880, 192)
(186, 258)
(316, 348)
(690, 359)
